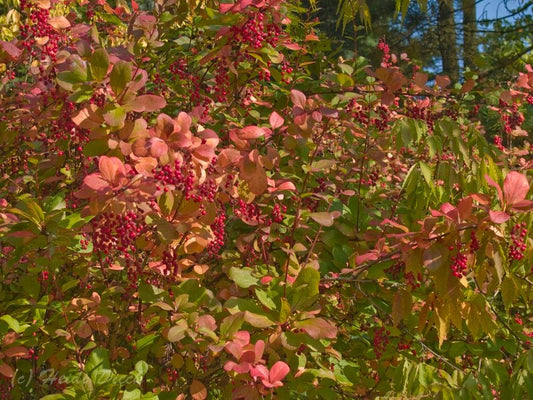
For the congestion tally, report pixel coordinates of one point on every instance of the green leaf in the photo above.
(120, 76)
(510, 291)
(98, 364)
(231, 324)
(134, 394)
(265, 299)
(146, 341)
(257, 320)
(243, 277)
(149, 293)
(177, 332)
(99, 64)
(11, 322)
(96, 147)
(304, 290)
(426, 173)
(30, 285)
(322, 218)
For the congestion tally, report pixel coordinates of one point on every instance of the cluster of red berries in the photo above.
(218, 227)
(380, 341)
(498, 142)
(246, 211)
(115, 235)
(170, 260)
(459, 264)
(38, 27)
(474, 242)
(254, 33)
(277, 215)
(173, 374)
(222, 82)
(511, 117)
(518, 241)
(362, 115)
(386, 58)
(371, 178)
(177, 175)
(397, 272)
(422, 112)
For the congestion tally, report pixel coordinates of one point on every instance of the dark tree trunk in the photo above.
(469, 32)
(448, 40)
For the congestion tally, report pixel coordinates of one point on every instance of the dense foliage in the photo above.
(198, 202)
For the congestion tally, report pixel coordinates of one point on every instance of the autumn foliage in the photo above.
(202, 202)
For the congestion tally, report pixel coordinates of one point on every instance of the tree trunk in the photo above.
(469, 33)
(448, 40)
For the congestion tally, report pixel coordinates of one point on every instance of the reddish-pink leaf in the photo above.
(317, 328)
(11, 50)
(498, 217)
(515, 187)
(370, 256)
(523, 205)
(96, 182)
(420, 79)
(207, 321)
(276, 120)
(204, 152)
(298, 98)
(442, 80)
(158, 147)
(183, 122)
(147, 102)
(278, 371)
(251, 132)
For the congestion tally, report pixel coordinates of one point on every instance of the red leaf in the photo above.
(498, 217)
(515, 187)
(298, 98)
(12, 50)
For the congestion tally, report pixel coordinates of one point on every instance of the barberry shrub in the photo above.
(201, 202)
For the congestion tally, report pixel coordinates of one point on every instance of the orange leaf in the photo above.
(198, 390)
(6, 370)
(59, 22)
